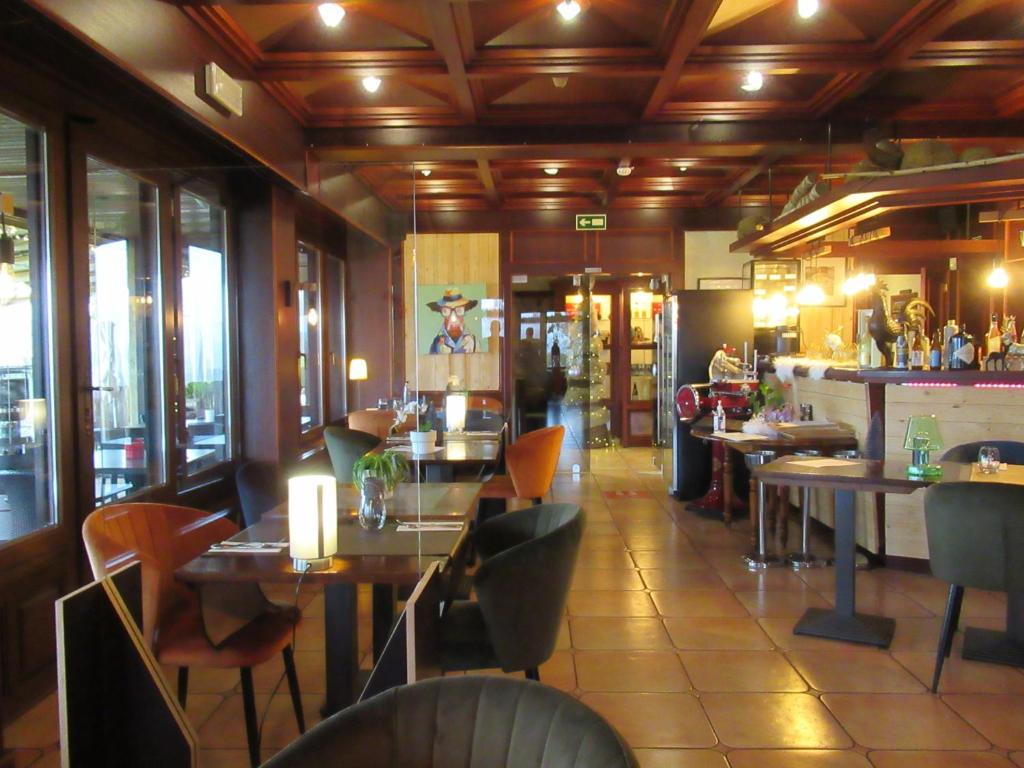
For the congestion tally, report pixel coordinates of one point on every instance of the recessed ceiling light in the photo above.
(753, 81)
(807, 8)
(625, 168)
(551, 171)
(684, 168)
(331, 14)
(560, 82)
(425, 172)
(371, 83)
(569, 9)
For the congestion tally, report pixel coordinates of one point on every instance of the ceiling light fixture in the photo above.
(569, 9)
(754, 81)
(551, 171)
(560, 82)
(684, 168)
(807, 8)
(331, 14)
(425, 172)
(371, 84)
(998, 278)
(625, 168)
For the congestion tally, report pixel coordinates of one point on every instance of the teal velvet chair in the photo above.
(976, 539)
(346, 447)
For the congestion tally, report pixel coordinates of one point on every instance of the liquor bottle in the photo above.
(961, 350)
(864, 345)
(948, 332)
(1010, 329)
(917, 352)
(935, 358)
(994, 341)
(902, 356)
(926, 349)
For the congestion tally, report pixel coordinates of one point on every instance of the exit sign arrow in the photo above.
(591, 221)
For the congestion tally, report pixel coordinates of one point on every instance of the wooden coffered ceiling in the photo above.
(469, 94)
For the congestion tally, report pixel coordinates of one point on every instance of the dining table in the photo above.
(846, 477)
(395, 556)
(456, 452)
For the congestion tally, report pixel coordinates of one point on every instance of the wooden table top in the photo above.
(821, 442)
(453, 451)
(370, 557)
(855, 474)
(439, 501)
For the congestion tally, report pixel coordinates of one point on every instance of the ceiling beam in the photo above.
(689, 21)
(487, 179)
(446, 37)
(742, 179)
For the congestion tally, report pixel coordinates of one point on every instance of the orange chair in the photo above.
(377, 422)
(162, 538)
(531, 462)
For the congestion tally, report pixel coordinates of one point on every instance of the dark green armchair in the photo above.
(345, 447)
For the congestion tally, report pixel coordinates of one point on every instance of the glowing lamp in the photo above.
(455, 406)
(807, 8)
(371, 84)
(998, 278)
(754, 81)
(569, 9)
(921, 439)
(811, 294)
(331, 14)
(357, 369)
(312, 521)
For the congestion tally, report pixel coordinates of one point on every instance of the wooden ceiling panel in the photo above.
(320, 94)
(1004, 21)
(947, 84)
(579, 90)
(725, 87)
(602, 24)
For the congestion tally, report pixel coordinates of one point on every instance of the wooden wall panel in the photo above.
(966, 414)
(368, 320)
(548, 247)
(456, 259)
(623, 251)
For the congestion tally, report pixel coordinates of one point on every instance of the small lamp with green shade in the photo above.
(922, 438)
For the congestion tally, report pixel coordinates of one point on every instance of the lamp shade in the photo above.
(455, 404)
(357, 369)
(923, 434)
(312, 521)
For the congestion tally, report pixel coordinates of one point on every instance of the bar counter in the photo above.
(970, 406)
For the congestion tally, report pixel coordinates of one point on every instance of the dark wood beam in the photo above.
(445, 34)
(742, 179)
(487, 179)
(689, 21)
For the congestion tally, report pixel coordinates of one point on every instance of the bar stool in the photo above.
(804, 558)
(760, 558)
(862, 562)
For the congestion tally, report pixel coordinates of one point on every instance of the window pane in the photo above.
(124, 304)
(204, 333)
(310, 378)
(26, 465)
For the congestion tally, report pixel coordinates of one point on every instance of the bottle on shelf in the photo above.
(926, 349)
(864, 345)
(961, 350)
(917, 352)
(902, 353)
(1010, 329)
(948, 332)
(935, 357)
(994, 340)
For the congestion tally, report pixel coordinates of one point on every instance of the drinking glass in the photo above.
(988, 459)
(372, 510)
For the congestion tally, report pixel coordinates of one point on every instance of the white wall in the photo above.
(707, 255)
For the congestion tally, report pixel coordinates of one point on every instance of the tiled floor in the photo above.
(693, 658)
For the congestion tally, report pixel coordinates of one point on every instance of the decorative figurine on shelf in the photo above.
(884, 329)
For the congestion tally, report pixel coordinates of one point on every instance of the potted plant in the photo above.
(389, 466)
(424, 437)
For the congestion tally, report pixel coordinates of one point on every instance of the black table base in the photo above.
(858, 628)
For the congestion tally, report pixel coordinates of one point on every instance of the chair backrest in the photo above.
(484, 403)
(451, 722)
(532, 460)
(976, 534)
(523, 586)
(1009, 450)
(260, 488)
(346, 447)
(161, 537)
(375, 422)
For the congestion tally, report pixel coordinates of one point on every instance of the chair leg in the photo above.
(538, 500)
(182, 686)
(533, 674)
(293, 686)
(252, 726)
(949, 624)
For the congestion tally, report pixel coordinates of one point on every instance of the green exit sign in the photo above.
(591, 221)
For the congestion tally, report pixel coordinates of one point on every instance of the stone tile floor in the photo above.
(692, 657)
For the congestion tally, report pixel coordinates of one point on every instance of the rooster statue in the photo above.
(884, 329)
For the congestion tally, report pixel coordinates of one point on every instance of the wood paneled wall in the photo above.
(457, 259)
(369, 319)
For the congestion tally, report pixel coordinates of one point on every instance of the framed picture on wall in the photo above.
(450, 319)
(830, 273)
(720, 283)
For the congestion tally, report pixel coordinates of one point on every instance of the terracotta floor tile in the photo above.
(739, 578)
(227, 758)
(716, 603)
(999, 718)
(655, 719)
(606, 578)
(741, 671)
(1017, 757)
(773, 721)
(892, 604)
(605, 558)
(916, 635)
(780, 630)
(628, 634)
(681, 578)
(653, 671)
(680, 758)
(37, 728)
(681, 559)
(866, 671)
(918, 759)
(712, 634)
(780, 604)
(200, 707)
(977, 604)
(599, 543)
(590, 602)
(203, 680)
(797, 758)
(225, 729)
(959, 676)
(902, 721)
(564, 641)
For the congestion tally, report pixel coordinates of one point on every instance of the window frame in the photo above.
(315, 430)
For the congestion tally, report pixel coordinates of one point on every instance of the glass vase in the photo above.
(372, 509)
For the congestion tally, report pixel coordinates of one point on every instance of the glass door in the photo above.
(125, 414)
